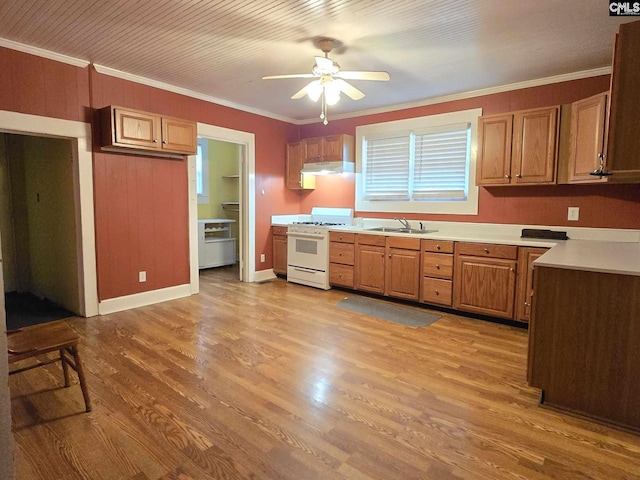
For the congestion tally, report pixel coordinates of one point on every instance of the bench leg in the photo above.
(83, 382)
(65, 368)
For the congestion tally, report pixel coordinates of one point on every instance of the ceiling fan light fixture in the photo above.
(332, 93)
(314, 90)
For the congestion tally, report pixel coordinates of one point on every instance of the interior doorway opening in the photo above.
(38, 228)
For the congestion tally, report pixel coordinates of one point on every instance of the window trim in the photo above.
(419, 124)
(203, 198)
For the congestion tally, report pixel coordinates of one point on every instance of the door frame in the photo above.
(79, 133)
(247, 189)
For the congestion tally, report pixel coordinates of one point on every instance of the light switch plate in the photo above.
(142, 277)
(573, 214)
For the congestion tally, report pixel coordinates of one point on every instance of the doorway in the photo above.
(245, 145)
(38, 229)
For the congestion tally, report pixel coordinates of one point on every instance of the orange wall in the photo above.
(613, 206)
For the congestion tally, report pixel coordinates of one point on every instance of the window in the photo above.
(422, 165)
(202, 171)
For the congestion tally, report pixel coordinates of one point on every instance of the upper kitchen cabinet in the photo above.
(585, 152)
(294, 180)
(622, 161)
(124, 128)
(518, 148)
(335, 148)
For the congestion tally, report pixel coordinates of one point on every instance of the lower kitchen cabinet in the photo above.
(437, 272)
(342, 259)
(526, 256)
(279, 250)
(485, 279)
(370, 263)
(402, 271)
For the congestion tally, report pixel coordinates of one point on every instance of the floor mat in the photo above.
(388, 311)
(25, 309)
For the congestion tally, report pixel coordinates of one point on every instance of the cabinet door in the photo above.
(136, 129)
(494, 150)
(484, 285)
(370, 268)
(179, 136)
(403, 274)
(588, 120)
(525, 281)
(313, 150)
(535, 134)
(280, 254)
(295, 159)
(333, 148)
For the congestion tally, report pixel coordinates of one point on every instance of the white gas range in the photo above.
(308, 246)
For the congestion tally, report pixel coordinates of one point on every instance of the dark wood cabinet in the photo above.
(124, 128)
(622, 161)
(279, 250)
(518, 148)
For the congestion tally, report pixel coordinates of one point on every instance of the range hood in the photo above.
(327, 168)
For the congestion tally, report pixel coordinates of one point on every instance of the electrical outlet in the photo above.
(573, 214)
(142, 277)
(263, 258)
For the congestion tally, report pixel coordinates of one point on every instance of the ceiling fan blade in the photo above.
(349, 89)
(305, 90)
(353, 75)
(324, 64)
(294, 75)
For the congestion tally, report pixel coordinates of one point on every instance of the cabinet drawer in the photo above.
(342, 253)
(279, 230)
(405, 243)
(341, 275)
(435, 290)
(437, 265)
(342, 237)
(487, 250)
(377, 240)
(438, 246)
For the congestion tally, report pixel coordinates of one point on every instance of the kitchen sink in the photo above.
(400, 230)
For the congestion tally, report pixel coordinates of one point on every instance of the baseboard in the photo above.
(264, 275)
(127, 302)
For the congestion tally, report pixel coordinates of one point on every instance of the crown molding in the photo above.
(41, 52)
(470, 94)
(189, 93)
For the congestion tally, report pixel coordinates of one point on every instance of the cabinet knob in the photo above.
(389, 255)
(486, 250)
(155, 140)
(437, 266)
(382, 255)
(340, 254)
(518, 175)
(507, 176)
(340, 275)
(340, 237)
(437, 247)
(437, 292)
(164, 142)
(512, 270)
(526, 304)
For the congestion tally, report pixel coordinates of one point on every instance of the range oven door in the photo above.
(308, 259)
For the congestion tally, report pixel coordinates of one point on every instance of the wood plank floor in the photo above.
(273, 381)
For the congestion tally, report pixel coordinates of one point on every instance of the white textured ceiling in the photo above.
(223, 48)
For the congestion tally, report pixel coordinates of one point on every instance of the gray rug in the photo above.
(388, 311)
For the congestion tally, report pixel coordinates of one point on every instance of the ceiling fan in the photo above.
(329, 80)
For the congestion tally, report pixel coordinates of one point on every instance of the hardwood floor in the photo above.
(273, 381)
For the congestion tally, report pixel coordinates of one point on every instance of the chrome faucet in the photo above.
(404, 222)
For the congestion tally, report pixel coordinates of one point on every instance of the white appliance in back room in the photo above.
(308, 246)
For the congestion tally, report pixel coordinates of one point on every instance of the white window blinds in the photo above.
(429, 165)
(440, 164)
(386, 170)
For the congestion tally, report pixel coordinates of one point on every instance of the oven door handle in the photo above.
(305, 235)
